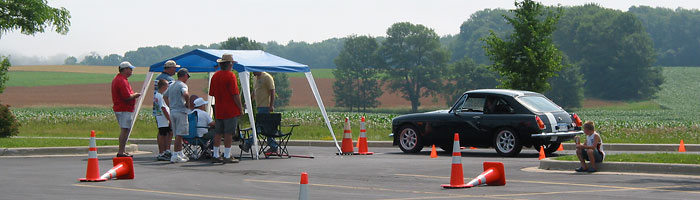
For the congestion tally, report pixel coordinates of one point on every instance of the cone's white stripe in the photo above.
(455, 147)
(93, 144)
(481, 179)
(92, 154)
(363, 131)
(347, 135)
(456, 159)
(112, 173)
(303, 192)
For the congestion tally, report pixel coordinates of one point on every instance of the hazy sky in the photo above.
(117, 26)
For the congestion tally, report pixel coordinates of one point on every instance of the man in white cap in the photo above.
(176, 98)
(203, 118)
(124, 99)
(224, 87)
(165, 133)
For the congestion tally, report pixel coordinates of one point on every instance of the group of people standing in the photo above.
(172, 103)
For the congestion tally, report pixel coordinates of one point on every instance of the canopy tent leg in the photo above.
(245, 82)
(139, 101)
(210, 99)
(312, 83)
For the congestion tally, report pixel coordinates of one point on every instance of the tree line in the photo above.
(605, 53)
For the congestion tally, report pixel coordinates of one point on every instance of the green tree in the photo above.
(529, 57)
(416, 62)
(240, 43)
(614, 51)
(469, 42)
(32, 16)
(465, 75)
(357, 74)
(71, 60)
(4, 72)
(567, 86)
(111, 60)
(92, 59)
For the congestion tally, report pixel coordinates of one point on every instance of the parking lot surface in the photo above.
(388, 174)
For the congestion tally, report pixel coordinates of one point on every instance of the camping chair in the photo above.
(268, 126)
(193, 146)
(244, 135)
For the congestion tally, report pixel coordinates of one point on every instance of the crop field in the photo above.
(667, 119)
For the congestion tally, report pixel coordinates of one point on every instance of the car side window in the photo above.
(473, 104)
(496, 105)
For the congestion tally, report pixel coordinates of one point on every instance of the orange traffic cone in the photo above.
(303, 188)
(123, 169)
(347, 139)
(542, 153)
(93, 167)
(493, 175)
(433, 153)
(561, 147)
(682, 147)
(472, 147)
(457, 176)
(362, 141)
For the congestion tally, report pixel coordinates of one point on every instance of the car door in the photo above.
(497, 113)
(466, 119)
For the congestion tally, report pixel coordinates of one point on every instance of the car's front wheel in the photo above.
(507, 142)
(409, 139)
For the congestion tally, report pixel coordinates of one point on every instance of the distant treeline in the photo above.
(675, 35)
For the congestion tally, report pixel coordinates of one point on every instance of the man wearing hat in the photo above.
(124, 99)
(224, 88)
(176, 98)
(165, 134)
(203, 118)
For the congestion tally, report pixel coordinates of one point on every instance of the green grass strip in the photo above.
(33, 79)
(41, 142)
(673, 158)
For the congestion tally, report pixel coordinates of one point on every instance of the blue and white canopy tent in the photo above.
(204, 60)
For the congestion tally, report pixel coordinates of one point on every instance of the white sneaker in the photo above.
(177, 158)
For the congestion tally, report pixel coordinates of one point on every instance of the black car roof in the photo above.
(506, 92)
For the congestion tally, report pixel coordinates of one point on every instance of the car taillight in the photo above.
(540, 123)
(577, 120)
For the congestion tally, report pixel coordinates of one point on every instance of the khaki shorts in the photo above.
(124, 119)
(179, 123)
(229, 126)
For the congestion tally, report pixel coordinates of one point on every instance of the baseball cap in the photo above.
(125, 64)
(199, 102)
(171, 63)
(182, 72)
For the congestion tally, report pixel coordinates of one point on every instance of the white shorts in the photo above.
(179, 123)
(124, 119)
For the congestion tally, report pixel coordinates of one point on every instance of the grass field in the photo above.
(32, 142)
(675, 158)
(667, 119)
(27, 76)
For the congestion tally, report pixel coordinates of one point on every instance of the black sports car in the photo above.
(504, 119)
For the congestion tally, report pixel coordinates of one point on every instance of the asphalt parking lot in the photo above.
(389, 174)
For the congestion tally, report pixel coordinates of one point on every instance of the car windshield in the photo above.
(539, 103)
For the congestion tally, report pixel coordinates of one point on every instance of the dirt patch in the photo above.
(100, 95)
(597, 103)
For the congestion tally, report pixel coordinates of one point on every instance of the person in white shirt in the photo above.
(592, 150)
(162, 114)
(203, 118)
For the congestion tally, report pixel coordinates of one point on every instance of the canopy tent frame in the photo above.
(204, 60)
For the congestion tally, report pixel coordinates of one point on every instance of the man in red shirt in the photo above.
(124, 99)
(224, 87)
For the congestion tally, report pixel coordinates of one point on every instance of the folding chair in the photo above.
(193, 146)
(269, 126)
(244, 136)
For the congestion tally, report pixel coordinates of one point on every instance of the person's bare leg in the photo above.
(161, 143)
(122, 140)
(178, 143)
(592, 158)
(217, 140)
(228, 139)
(579, 154)
(168, 141)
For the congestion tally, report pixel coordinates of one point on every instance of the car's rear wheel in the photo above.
(409, 139)
(507, 142)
